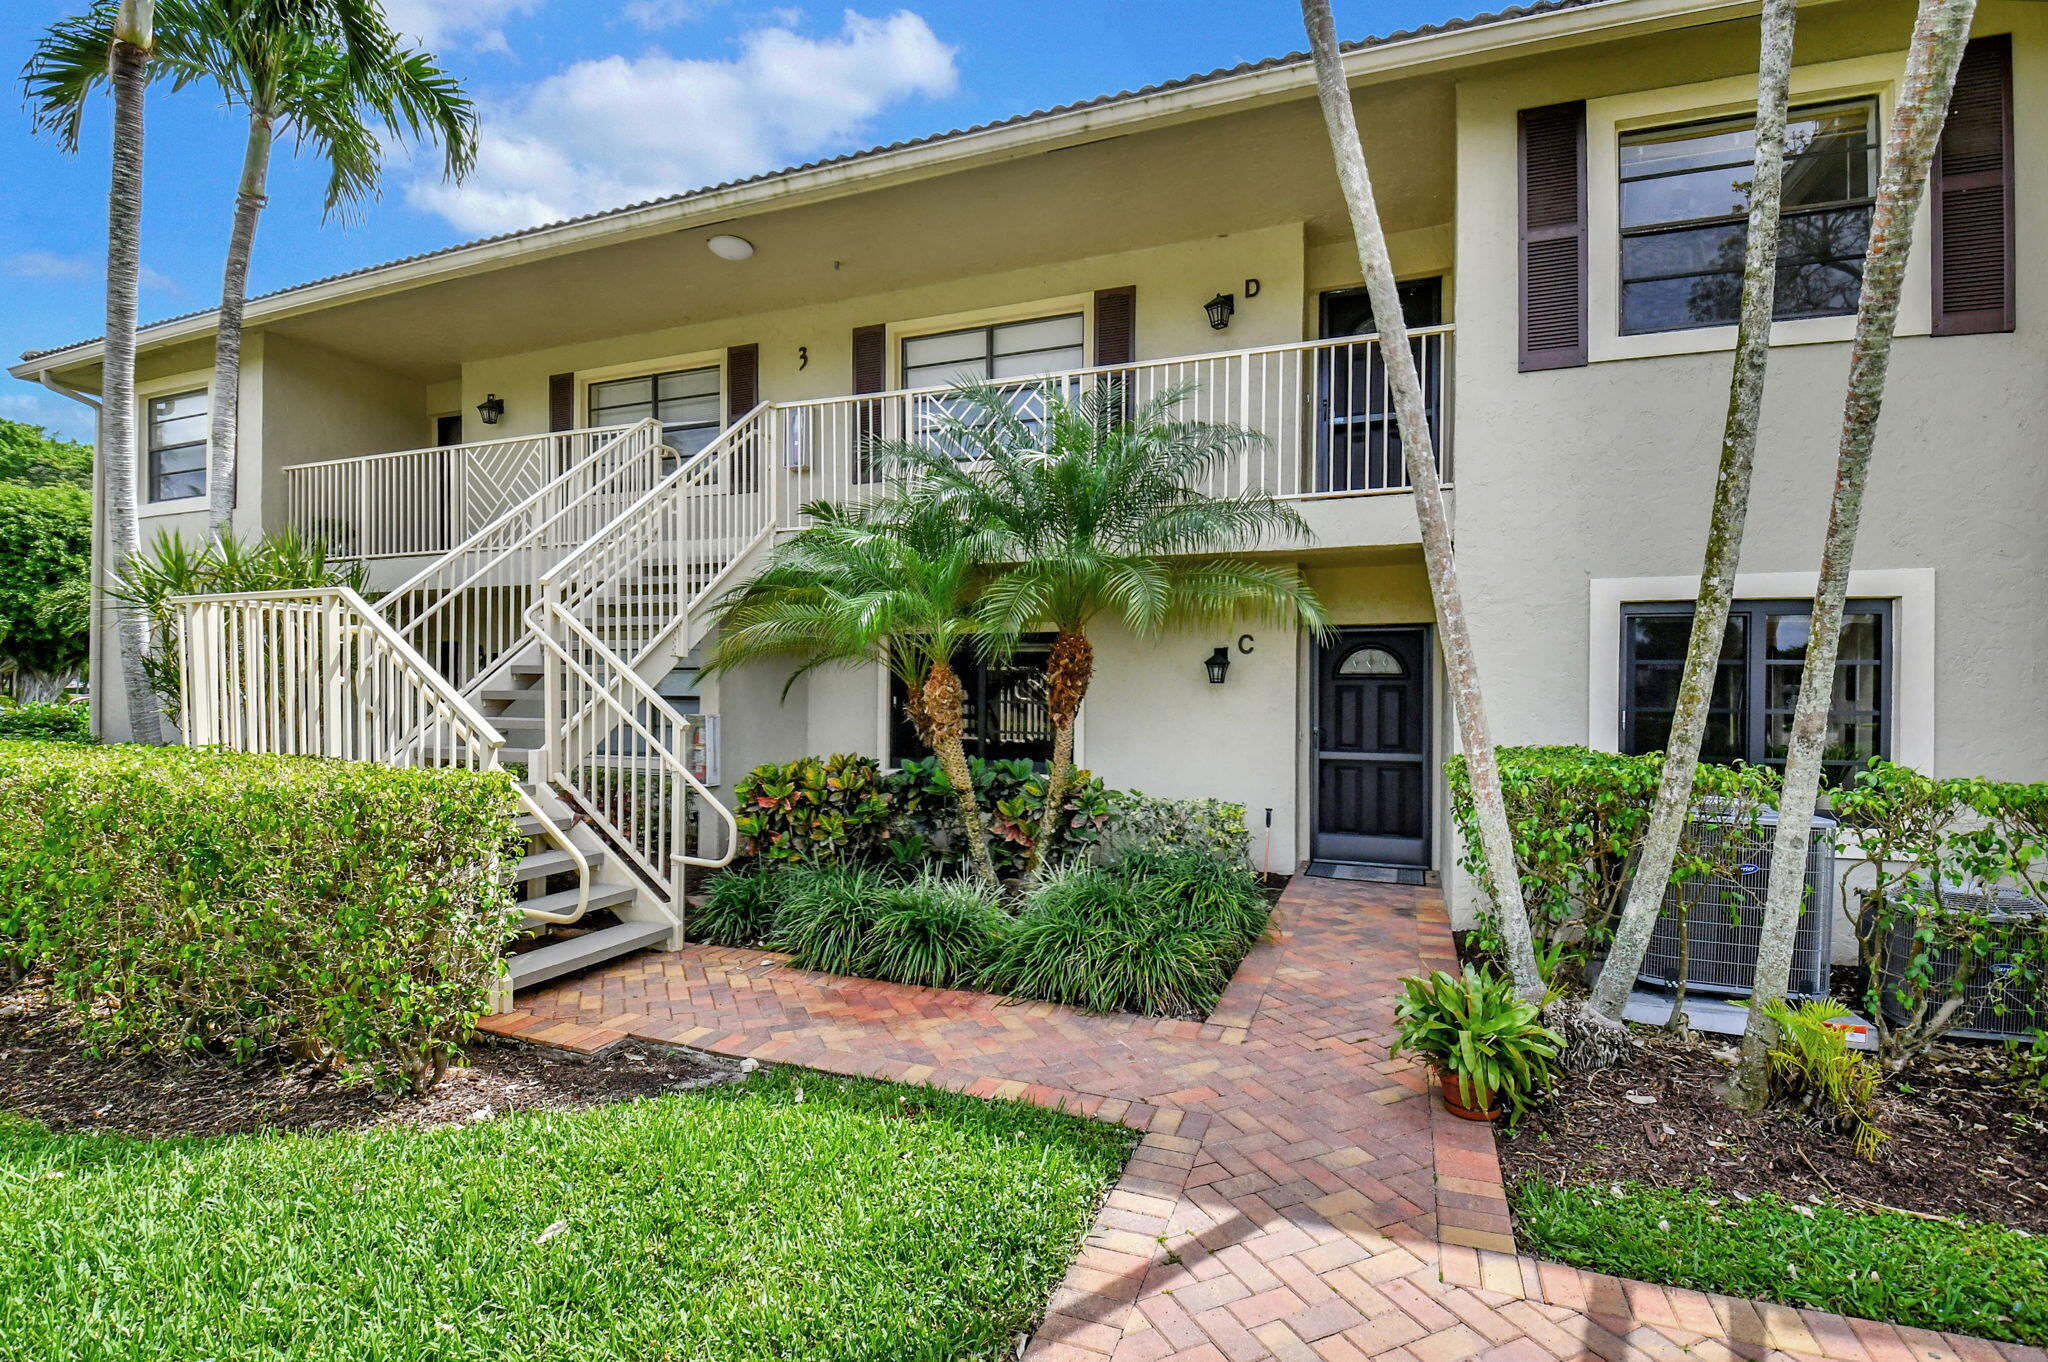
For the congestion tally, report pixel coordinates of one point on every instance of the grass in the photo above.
(1972, 1279)
(794, 1216)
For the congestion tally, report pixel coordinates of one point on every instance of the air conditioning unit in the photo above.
(1724, 913)
(1992, 989)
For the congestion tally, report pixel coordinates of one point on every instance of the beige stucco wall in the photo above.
(1604, 472)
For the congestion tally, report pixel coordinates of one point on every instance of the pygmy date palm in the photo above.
(894, 582)
(1097, 506)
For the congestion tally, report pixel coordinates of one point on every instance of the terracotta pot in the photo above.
(1448, 1084)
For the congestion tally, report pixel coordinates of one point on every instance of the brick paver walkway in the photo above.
(1297, 1195)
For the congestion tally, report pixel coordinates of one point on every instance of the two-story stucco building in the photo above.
(1561, 183)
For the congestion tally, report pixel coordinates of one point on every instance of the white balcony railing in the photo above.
(1321, 411)
(427, 501)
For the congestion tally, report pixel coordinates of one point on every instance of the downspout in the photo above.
(96, 693)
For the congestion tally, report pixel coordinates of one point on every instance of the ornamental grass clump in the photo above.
(825, 915)
(936, 931)
(738, 908)
(179, 900)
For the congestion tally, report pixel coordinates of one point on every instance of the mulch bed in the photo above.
(1962, 1145)
(47, 1076)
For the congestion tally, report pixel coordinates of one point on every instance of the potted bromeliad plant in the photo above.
(1486, 1044)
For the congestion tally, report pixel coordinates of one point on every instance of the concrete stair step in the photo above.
(529, 826)
(541, 864)
(580, 952)
(564, 901)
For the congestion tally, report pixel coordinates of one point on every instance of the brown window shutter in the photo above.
(1553, 212)
(870, 375)
(1116, 325)
(561, 402)
(742, 394)
(1973, 199)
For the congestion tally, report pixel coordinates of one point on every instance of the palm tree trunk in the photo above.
(1939, 35)
(1503, 884)
(227, 348)
(129, 63)
(1068, 670)
(1724, 524)
(946, 715)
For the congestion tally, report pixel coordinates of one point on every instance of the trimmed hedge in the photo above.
(350, 913)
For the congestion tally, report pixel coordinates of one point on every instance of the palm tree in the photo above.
(1940, 32)
(326, 73)
(124, 59)
(1411, 412)
(1724, 524)
(895, 582)
(1100, 510)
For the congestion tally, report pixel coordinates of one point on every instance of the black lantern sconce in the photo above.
(1219, 309)
(1218, 666)
(491, 408)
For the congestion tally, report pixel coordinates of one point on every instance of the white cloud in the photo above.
(40, 407)
(621, 129)
(440, 24)
(51, 265)
(653, 14)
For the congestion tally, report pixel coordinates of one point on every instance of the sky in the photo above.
(585, 104)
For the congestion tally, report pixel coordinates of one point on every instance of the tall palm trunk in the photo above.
(129, 68)
(1068, 670)
(1940, 32)
(1724, 523)
(227, 349)
(946, 714)
(1418, 449)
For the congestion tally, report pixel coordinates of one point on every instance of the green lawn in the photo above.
(1971, 1279)
(794, 1216)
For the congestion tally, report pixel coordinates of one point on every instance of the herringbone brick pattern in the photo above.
(1298, 1194)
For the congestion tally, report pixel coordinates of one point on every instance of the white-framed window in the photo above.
(1001, 350)
(1684, 205)
(686, 401)
(175, 440)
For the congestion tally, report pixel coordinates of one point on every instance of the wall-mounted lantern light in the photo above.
(491, 408)
(1218, 666)
(1219, 309)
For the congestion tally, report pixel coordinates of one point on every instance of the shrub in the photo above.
(1474, 1027)
(739, 907)
(937, 931)
(1577, 817)
(351, 913)
(825, 915)
(1813, 1068)
(1116, 938)
(47, 723)
(1011, 795)
(1918, 837)
(813, 809)
(1143, 822)
(1219, 896)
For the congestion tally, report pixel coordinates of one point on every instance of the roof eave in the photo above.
(1414, 54)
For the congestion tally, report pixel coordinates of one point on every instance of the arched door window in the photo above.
(1371, 660)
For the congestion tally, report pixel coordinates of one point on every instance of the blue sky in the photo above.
(586, 105)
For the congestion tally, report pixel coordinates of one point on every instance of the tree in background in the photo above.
(1100, 512)
(328, 74)
(1940, 32)
(1411, 411)
(127, 54)
(45, 557)
(1725, 523)
(31, 456)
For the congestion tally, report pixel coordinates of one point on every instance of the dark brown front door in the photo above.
(1358, 441)
(1372, 747)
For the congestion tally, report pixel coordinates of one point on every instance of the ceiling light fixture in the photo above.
(727, 247)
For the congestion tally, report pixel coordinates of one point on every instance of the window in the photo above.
(1757, 685)
(685, 401)
(1371, 660)
(1685, 217)
(1006, 350)
(177, 446)
(1007, 719)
